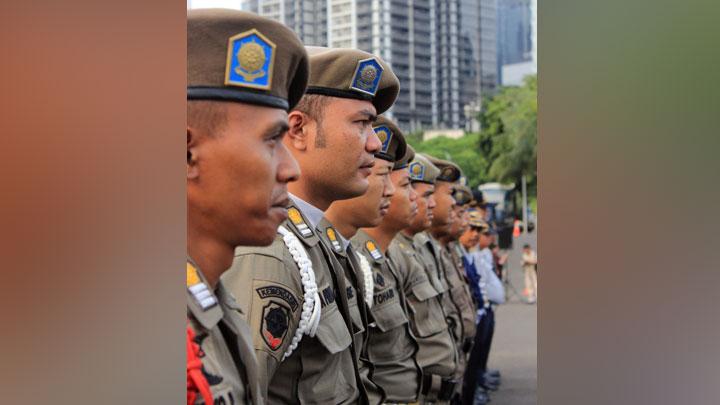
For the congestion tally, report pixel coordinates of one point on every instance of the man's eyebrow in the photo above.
(370, 115)
(279, 127)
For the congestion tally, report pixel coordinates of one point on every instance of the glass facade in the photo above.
(443, 51)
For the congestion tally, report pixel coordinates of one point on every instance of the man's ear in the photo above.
(192, 154)
(298, 133)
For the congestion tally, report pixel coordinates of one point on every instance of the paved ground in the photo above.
(514, 350)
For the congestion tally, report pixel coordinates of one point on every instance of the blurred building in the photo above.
(518, 40)
(443, 51)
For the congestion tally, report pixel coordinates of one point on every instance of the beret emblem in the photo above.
(250, 60)
(367, 76)
(385, 136)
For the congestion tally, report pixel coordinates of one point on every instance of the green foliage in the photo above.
(462, 151)
(505, 149)
(509, 135)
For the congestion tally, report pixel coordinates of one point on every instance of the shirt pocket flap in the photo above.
(424, 291)
(332, 331)
(389, 316)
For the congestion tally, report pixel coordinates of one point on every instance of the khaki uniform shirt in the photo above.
(228, 361)
(429, 251)
(267, 281)
(436, 348)
(391, 347)
(345, 258)
(460, 289)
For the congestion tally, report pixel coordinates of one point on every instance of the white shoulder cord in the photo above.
(367, 278)
(310, 317)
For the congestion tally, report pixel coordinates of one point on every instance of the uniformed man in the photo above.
(244, 73)
(302, 307)
(452, 258)
(437, 260)
(437, 353)
(390, 346)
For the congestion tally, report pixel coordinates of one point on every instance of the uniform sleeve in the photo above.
(271, 298)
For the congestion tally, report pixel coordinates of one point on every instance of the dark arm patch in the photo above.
(278, 292)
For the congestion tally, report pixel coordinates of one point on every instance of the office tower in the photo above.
(518, 39)
(443, 51)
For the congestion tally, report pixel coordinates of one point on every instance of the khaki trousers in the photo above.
(531, 283)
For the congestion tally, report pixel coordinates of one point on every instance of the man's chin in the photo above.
(353, 190)
(262, 235)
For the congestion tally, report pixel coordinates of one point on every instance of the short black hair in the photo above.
(526, 246)
(207, 115)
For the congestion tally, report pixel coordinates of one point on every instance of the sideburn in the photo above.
(320, 138)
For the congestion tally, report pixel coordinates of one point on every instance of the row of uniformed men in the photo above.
(348, 289)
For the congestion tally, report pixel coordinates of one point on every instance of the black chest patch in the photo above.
(327, 296)
(275, 319)
(379, 279)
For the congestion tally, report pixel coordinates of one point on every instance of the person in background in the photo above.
(500, 259)
(388, 348)
(437, 354)
(529, 263)
(478, 380)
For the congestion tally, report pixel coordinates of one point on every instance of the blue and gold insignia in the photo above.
(417, 171)
(367, 76)
(250, 60)
(447, 173)
(385, 135)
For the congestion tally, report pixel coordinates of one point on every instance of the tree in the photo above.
(462, 151)
(509, 135)
(506, 147)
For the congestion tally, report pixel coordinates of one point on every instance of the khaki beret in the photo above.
(422, 170)
(462, 194)
(352, 73)
(393, 141)
(405, 160)
(476, 220)
(237, 56)
(449, 171)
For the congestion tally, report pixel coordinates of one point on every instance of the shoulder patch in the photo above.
(274, 325)
(332, 236)
(373, 250)
(297, 220)
(273, 291)
(199, 290)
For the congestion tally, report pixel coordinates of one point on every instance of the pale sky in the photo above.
(213, 4)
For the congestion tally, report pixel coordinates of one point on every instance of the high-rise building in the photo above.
(443, 51)
(518, 39)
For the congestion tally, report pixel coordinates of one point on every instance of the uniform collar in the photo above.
(327, 232)
(313, 213)
(299, 224)
(368, 246)
(202, 302)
